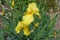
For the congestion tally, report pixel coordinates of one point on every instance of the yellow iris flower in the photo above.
(36, 25)
(54, 34)
(31, 10)
(32, 7)
(26, 30)
(19, 27)
(28, 18)
(12, 4)
(3, 13)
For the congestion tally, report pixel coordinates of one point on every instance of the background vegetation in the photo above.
(11, 14)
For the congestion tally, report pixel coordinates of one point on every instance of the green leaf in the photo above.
(1, 35)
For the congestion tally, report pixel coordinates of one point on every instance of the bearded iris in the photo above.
(27, 19)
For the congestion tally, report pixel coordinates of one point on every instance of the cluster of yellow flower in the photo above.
(27, 19)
